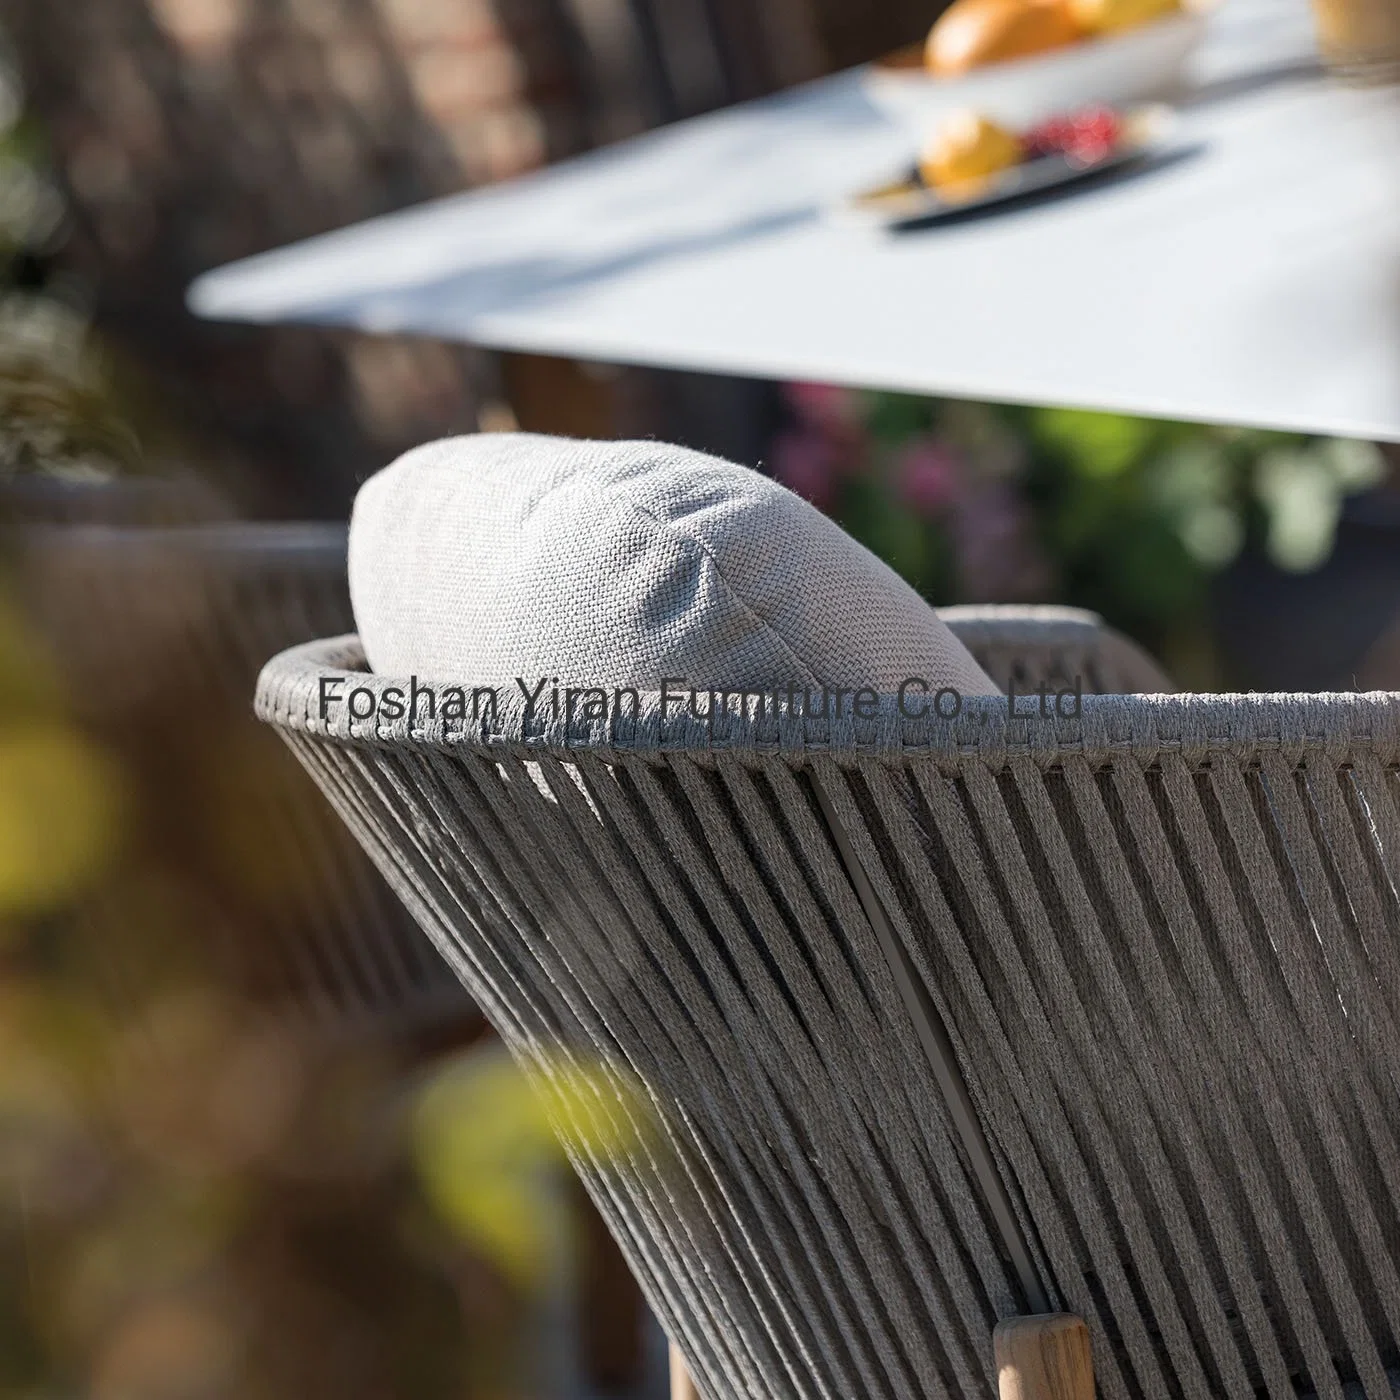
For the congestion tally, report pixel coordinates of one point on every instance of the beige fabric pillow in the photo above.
(482, 559)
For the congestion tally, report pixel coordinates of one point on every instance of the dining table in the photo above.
(1245, 271)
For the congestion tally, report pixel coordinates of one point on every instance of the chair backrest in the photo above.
(120, 501)
(1154, 940)
(1020, 647)
(160, 634)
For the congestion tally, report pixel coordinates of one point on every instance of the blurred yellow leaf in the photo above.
(486, 1150)
(595, 1111)
(30, 683)
(59, 817)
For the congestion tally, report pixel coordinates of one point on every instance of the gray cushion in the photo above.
(485, 558)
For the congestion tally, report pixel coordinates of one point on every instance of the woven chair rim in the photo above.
(1055, 624)
(1329, 729)
(256, 541)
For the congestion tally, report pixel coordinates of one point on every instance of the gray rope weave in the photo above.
(169, 626)
(1022, 646)
(1161, 937)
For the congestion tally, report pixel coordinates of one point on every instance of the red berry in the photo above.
(1085, 136)
(1049, 137)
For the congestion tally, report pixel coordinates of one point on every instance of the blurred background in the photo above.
(254, 1142)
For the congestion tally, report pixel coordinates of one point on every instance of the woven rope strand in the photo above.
(1164, 942)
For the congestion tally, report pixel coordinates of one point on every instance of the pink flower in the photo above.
(999, 560)
(824, 406)
(930, 475)
(806, 462)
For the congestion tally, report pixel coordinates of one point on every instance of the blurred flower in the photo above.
(1304, 502)
(825, 407)
(1355, 466)
(807, 463)
(1213, 534)
(59, 817)
(988, 444)
(31, 210)
(999, 560)
(1193, 485)
(1302, 489)
(930, 475)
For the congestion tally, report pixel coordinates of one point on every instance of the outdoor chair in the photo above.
(1071, 1020)
(160, 632)
(919, 1025)
(1021, 647)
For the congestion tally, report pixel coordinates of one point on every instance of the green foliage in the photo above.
(57, 410)
(1131, 517)
(1136, 515)
(1140, 514)
(1101, 446)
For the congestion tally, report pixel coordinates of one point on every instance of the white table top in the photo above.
(1255, 279)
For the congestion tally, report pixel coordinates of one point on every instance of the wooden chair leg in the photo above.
(682, 1387)
(1046, 1357)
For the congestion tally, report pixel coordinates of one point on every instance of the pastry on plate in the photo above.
(972, 33)
(1114, 16)
(968, 149)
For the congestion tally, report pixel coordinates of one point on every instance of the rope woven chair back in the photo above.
(1156, 942)
(160, 634)
(1023, 647)
(125, 501)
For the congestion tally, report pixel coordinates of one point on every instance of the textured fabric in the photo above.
(488, 558)
(1161, 937)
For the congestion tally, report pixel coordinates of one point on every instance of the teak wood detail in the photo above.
(1045, 1357)
(682, 1387)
